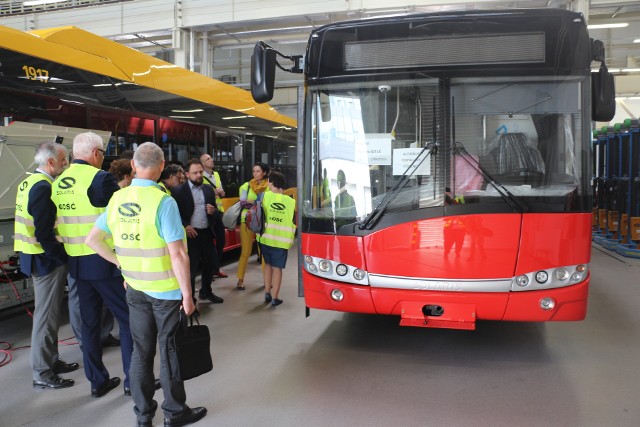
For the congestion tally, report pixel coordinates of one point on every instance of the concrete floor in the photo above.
(274, 367)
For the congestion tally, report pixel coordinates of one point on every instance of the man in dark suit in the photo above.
(197, 205)
(80, 194)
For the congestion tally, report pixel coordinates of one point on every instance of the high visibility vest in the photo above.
(279, 229)
(164, 188)
(25, 230)
(76, 214)
(216, 183)
(143, 255)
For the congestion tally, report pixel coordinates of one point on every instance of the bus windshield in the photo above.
(483, 144)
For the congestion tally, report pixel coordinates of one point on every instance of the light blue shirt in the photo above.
(168, 224)
(199, 218)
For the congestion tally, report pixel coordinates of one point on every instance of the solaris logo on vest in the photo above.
(130, 211)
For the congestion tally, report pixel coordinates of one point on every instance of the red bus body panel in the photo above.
(232, 239)
(491, 246)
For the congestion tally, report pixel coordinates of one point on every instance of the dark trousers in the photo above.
(153, 320)
(74, 314)
(92, 294)
(202, 255)
(221, 238)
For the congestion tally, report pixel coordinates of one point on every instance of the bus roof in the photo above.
(74, 47)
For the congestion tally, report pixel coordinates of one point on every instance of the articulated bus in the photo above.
(447, 165)
(67, 77)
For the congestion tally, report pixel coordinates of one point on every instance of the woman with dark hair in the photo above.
(249, 192)
(123, 171)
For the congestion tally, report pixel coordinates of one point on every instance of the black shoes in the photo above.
(276, 301)
(54, 383)
(156, 385)
(211, 297)
(189, 416)
(109, 385)
(110, 341)
(62, 367)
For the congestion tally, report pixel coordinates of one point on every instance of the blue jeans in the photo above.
(152, 320)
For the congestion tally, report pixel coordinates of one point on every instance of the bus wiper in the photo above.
(374, 216)
(500, 188)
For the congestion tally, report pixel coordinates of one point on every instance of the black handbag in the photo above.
(189, 353)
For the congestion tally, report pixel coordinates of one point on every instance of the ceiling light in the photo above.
(267, 30)
(401, 10)
(235, 117)
(237, 127)
(196, 110)
(636, 41)
(39, 2)
(182, 117)
(612, 25)
(630, 70)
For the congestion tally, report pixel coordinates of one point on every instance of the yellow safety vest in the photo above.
(164, 188)
(76, 214)
(216, 183)
(25, 230)
(143, 255)
(279, 229)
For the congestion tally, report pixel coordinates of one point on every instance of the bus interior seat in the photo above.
(514, 158)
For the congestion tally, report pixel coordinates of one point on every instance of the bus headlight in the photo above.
(522, 280)
(554, 277)
(335, 270)
(341, 270)
(358, 274)
(561, 274)
(324, 266)
(542, 276)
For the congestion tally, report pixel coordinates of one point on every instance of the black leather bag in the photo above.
(189, 352)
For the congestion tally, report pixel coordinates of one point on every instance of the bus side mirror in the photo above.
(263, 72)
(603, 95)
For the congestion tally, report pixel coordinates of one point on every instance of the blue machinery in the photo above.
(616, 188)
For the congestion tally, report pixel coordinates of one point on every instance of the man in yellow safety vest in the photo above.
(150, 250)
(212, 178)
(43, 258)
(80, 194)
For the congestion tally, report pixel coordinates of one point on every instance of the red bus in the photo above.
(447, 165)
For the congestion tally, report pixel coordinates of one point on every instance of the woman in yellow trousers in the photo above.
(249, 192)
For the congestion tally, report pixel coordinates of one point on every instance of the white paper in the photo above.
(403, 157)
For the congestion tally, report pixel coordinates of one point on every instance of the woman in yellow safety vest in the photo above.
(249, 192)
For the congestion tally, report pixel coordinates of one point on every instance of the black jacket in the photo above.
(184, 198)
(43, 211)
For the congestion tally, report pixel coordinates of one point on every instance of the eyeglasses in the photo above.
(101, 150)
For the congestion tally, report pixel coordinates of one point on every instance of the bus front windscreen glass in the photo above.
(483, 144)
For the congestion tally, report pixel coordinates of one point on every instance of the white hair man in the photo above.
(81, 194)
(43, 258)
